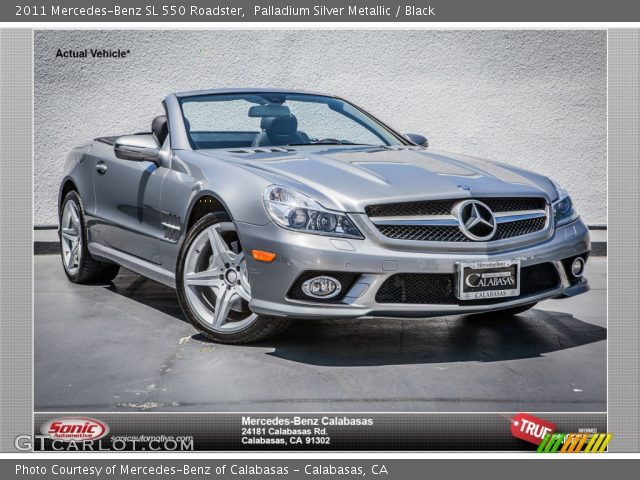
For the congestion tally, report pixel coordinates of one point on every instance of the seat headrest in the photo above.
(280, 126)
(265, 122)
(160, 128)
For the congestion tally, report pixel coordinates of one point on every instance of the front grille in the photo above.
(447, 232)
(438, 288)
(451, 233)
(519, 227)
(436, 207)
(346, 279)
(418, 288)
(431, 233)
(444, 207)
(538, 278)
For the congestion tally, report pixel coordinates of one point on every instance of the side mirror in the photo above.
(418, 139)
(138, 148)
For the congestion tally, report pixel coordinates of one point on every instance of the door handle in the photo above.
(101, 168)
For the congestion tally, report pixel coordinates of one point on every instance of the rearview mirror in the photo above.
(137, 147)
(418, 139)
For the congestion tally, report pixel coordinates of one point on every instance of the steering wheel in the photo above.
(328, 140)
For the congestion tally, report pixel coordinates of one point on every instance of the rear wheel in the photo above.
(213, 284)
(78, 264)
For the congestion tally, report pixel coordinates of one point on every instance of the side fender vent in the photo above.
(172, 228)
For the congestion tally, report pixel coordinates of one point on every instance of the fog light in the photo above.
(321, 287)
(577, 267)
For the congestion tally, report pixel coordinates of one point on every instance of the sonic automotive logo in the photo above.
(75, 429)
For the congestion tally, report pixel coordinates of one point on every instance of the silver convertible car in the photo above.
(264, 206)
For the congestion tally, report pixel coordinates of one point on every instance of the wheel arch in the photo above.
(202, 204)
(67, 185)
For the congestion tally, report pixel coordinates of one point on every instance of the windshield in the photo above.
(279, 119)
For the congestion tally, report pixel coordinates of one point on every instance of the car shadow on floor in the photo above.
(147, 292)
(394, 342)
(433, 340)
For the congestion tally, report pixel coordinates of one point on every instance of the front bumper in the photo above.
(375, 262)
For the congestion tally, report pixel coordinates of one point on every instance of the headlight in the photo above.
(563, 210)
(295, 211)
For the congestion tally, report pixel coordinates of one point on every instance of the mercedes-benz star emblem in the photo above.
(476, 220)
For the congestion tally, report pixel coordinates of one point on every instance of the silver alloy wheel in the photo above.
(71, 240)
(216, 281)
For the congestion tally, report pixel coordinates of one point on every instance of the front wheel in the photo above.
(213, 284)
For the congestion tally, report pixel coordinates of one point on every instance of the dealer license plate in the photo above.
(483, 280)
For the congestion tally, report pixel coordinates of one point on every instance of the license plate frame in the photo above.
(489, 274)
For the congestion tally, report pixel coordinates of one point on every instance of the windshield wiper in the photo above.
(330, 143)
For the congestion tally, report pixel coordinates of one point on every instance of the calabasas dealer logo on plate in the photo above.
(482, 280)
(75, 429)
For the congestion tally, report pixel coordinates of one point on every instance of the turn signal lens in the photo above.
(263, 256)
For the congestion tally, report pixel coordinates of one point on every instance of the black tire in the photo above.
(261, 328)
(506, 313)
(89, 270)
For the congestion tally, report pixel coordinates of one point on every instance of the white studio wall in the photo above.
(535, 99)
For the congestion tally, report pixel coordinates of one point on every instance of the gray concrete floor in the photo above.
(127, 347)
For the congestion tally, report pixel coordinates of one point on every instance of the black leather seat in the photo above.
(160, 128)
(279, 131)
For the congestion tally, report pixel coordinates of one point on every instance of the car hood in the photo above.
(349, 178)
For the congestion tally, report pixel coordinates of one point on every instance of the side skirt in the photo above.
(135, 264)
